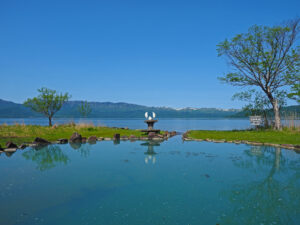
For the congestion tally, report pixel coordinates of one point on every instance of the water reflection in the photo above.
(267, 196)
(46, 157)
(150, 153)
(84, 149)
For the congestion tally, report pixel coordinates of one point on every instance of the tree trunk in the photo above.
(276, 114)
(50, 121)
(266, 119)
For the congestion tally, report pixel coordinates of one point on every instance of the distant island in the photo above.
(10, 109)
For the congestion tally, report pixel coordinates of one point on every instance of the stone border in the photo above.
(92, 139)
(286, 146)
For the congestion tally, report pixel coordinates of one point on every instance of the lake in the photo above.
(180, 125)
(149, 183)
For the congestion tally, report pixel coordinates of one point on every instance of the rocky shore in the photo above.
(78, 138)
(185, 137)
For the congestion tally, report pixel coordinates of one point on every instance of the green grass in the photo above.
(287, 136)
(27, 133)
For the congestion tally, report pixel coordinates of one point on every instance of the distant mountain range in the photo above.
(122, 110)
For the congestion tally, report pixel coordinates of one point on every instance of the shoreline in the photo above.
(226, 137)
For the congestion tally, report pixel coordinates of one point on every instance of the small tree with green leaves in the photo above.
(48, 102)
(266, 58)
(85, 109)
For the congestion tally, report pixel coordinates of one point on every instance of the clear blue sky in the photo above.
(160, 53)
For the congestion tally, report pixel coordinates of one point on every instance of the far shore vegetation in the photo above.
(21, 133)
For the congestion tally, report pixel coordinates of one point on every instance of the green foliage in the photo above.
(288, 136)
(266, 58)
(258, 103)
(85, 109)
(295, 94)
(48, 102)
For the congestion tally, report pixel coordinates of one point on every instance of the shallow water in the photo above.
(152, 183)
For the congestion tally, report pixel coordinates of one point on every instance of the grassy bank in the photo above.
(20, 133)
(286, 136)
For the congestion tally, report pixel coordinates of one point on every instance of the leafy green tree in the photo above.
(85, 109)
(48, 102)
(258, 103)
(265, 58)
(295, 94)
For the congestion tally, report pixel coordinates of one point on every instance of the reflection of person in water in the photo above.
(150, 153)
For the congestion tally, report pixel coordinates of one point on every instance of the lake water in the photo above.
(165, 124)
(150, 183)
(180, 125)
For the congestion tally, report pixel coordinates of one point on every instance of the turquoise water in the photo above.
(142, 183)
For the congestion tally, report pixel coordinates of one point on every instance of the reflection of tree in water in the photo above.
(274, 199)
(46, 157)
(150, 153)
(84, 149)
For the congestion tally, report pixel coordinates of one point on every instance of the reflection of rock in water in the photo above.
(9, 154)
(117, 142)
(150, 153)
(75, 145)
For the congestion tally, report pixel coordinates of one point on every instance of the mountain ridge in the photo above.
(9, 109)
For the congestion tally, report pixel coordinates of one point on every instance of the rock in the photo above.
(116, 136)
(83, 139)
(10, 144)
(219, 141)
(22, 146)
(62, 141)
(107, 139)
(255, 143)
(198, 139)
(75, 137)
(10, 149)
(297, 147)
(157, 139)
(100, 138)
(144, 138)
(124, 137)
(40, 141)
(133, 137)
(287, 146)
(151, 135)
(92, 139)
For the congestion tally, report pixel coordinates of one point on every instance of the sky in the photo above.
(154, 53)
